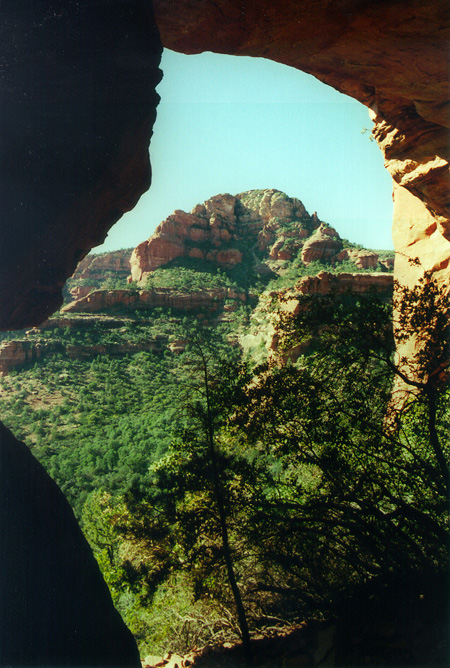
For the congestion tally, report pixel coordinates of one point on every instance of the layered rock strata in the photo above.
(78, 107)
(392, 57)
(16, 353)
(93, 270)
(324, 283)
(260, 228)
(94, 267)
(205, 300)
(224, 229)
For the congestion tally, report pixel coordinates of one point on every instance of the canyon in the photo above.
(263, 233)
(391, 57)
(78, 107)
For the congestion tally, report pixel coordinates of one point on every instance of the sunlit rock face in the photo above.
(77, 84)
(100, 300)
(392, 57)
(78, 104)
(222, 228)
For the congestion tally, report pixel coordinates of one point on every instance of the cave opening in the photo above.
(227, 124)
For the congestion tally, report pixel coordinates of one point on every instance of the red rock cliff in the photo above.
(266, 226)
(72, 185)
(391, 56)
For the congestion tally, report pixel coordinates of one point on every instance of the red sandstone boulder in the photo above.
(324, 244)
(363, 259)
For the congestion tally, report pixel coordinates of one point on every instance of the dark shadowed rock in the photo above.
(77, 86)
(55, 607)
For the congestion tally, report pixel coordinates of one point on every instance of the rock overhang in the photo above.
(66, 183)
(78, 105)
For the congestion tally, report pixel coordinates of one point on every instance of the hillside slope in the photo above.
(214, 263)
(105, 393)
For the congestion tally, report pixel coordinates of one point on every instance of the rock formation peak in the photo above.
(262, 228)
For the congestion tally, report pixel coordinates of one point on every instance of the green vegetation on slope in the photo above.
(320, 491)
(94, 424)
(219, 495)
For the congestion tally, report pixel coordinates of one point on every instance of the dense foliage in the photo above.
(326, 483)
(222, 497)
(94, 424)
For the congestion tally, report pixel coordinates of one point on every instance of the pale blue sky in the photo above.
(228, 124)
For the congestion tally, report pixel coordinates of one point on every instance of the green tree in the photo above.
(194, 476)
(359, 483)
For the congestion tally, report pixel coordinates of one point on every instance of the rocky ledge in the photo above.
(325, 283)
(104, 300)
(94, 270)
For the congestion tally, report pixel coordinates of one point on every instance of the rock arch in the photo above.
(71, 167)
(77, 88)
(391, 56)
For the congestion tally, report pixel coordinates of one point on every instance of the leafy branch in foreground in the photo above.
(361, 482)
(326, 483)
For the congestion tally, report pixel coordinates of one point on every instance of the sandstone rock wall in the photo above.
(261, 228)
(323, 245)
(324, 283)
(16, 353)
(94, 270)
(75, 173)
(392, 57)
(206, 300)
(219, 230)
(94, 267)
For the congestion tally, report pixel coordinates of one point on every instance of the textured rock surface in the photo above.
(103, 300)
(324, 283)
(93, 270)
(425, 242)
(67, 177)
(228, 230)
(392, 57)
(363, 259)
(94, 267)
(323, 245)
(78, 104)
(55, 608)
(14, 354)
(262, 225)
